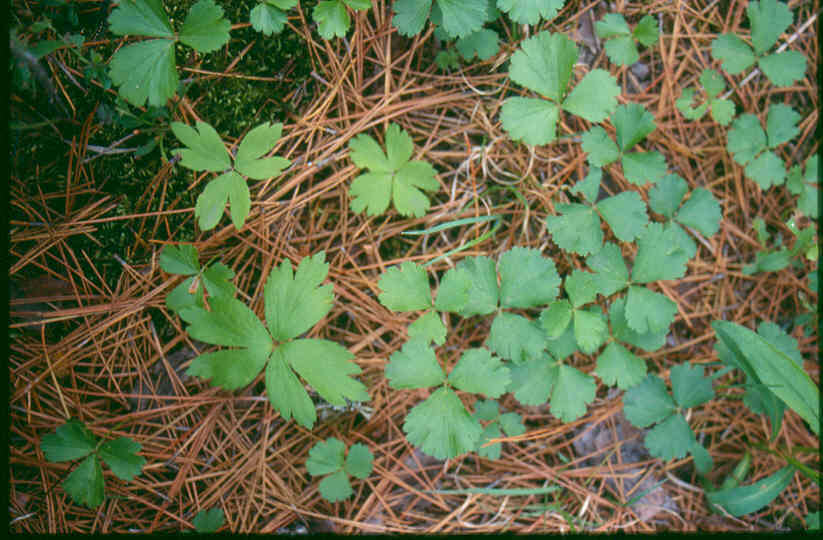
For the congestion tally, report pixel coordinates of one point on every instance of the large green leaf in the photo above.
(742, 500)
(326, 366)
(145, 71)
(204, 28)
(140, 18)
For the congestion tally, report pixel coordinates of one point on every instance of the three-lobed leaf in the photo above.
(441, 426)
(297, 301)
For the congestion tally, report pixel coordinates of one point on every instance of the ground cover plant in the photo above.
(489, 266)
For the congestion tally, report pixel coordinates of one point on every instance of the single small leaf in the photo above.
(595, 97)
(140, 18)
(722, 111)
(326, 457)
(335, 487)
(410, 16)
(781, 124)
(626, 215)
(767, 170)
(145, 71)
(359, 461)
(229, 368)
(462, 17)
(617, 365)
(332, 19)
(783, 68)
(204, 28)
(483, 43)
(371, 192)
(486, 410)
(564, 346)
(429, 328)
(212, 201)
(742, 500)
(670, 439)
(180, 259)
(662, 253)
(70, 441)
(405, 288)
(530, 11)
(701, 212)
(85, 483)
(589, 187)
(441, 426)
(366, 153)
(576, 229)
(573, 391)
(544, 65)
(515, 338)
(483, 291)
(633, 123)
(666, 195)
(239, 199)
(600, 148)
(689, 386)
(286, 393)
(646, 31)
(453, 293)
(399, 147)
(533, 121)
(267, 19)
(712, 82)
(622, 50)
(121, 456)
(532, 381)
(295, 303)
(769, 19)
(217, 279)
(649, 342)
(746, 138)
(204, 150)
(492, 451)
(684, 105)
(610, 272)
(580, 287)
(447, 59)
(702, 459)
(414, 366)
(512, 424)
(327, 367)
(642, 167)
(180, 298)
(556, 318)
(648, 311)
(209, 521)
(735, 54)
(590, 330)
(259, 141)
(765, 261)
(648, 402)
(612, 25)
(479, 372)
(527, 279)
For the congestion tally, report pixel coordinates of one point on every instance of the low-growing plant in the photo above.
(497, 423)
(772, 260)
(269, 16)
(202, 283)
(621, 41)
(330, 459)
(333, 19)
(721, 109)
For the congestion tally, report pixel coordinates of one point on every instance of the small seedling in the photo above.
(269, 16)
(333, 19)
(73, 441)
(722, 110)
(806, 186)
(214, 280)
(209, 521)
(510, 423)
(621, 41)
(329, 458)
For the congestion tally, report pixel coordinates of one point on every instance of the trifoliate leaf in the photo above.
(670, 439)
(326, 457)
(646, 31)
(332, 19)
(665, 196)
(617, 365)
(784, 68)
(204, 150)
(527, 279)
(684, 105)
(544, 64)
(267, 19)
(453, 293)
(121, 456)
(359, 461)
(611, 274)
(533, 121)
(649, 342)
(805, 185)
(405, 288)
(204, 28)
(590, 330)
(140, 18)
(286, 393)
(208, 521)
(530, 11)
(179, 259)
(296, 302)
(564, 346)
(722, 112)
(589, 187)
(648, 402)
(642, 167)
(781, 124)
(145, 71)
(689, 386)
(648, 311)
(462, 17)
(581, 288)
(769, 19)
(735, 54)
(258, 142)
(622, 50)
(85, 483)
(633, 123)
(767, 170)
(410, 16)
(483, 43)
(492, 451)
(701, 212)
(414, 366)
(441, 426)
(533, 380)
(600, 147)
(576, 229)
(335, 487)
(746, 138)
(70, 441)
(515, 338)
(712, 82)
(429, 328)
(479, 372)
(483, 292)
(555, 319)
(573, 391)
(595, 97)
(626, 215)
(662, 253)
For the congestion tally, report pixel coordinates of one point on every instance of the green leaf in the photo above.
(813, 521)
(573, 391)
(239, 199)
(612, 25)
(769, 19)
(230, 368)
(410, 16)
(483, 43)
(670, 439)
(515, 338)
(229, 323)
(556, 318)
(785, 378)
(767, 170)
(626, 215)
(621, 50)
(462, 17)
(746, 138)
(601, 149)
(414, 366)
(327, 367)
(85, 483)
(399, 147)
(359, 461)
(486, 410)
(453, 293)
(180, 298)
(145, 71)
(429, 328)
(533, 121)
(595, 97)
(712, 82)
(332, 19)
(296, 303)
(512, 424)
(781, 124)
(533, 380)
(590, 330)
(689, 386)
(530, 11)
(742, 500)
(408, 181)
(212, 201)
(662, 253)
(217, 279)
(204, 28)
(405, 288)
(649, 342)
(258, 142)
(722, 111)
(611, 274)
(527, 279)
(642, 167)
(326, 457)
(781, 340)
(564, 346)
(617, 365)
(492, 451)
(589, 187)
(483, 292)
(479, 372)
(580, 287)
(335, 487)
(140, 18)
(366, 153)
(784, 68)
(684, 105)
(371, 192)
(648, 311)
(733, 52)
(633, 123)
(179, 259)
(648, 402)
(441, 426)
(544, 64)
(665, 196)
(701, 212)
(646, 31)
(204, 150)
(121, 456)
(267, 19)
(765, 261)
(447, 59)
(70, 441)
(286, 392)
(576, 229)
(702, 459)
(208, 521)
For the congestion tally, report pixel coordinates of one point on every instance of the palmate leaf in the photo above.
(530, 11)
(483, 43)
(85, 483)
(479, 372)
(441, 426)
(527, 279)
(204, 28)
(121, 456)
(145, 71)
(70, 441)
(204, 151)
